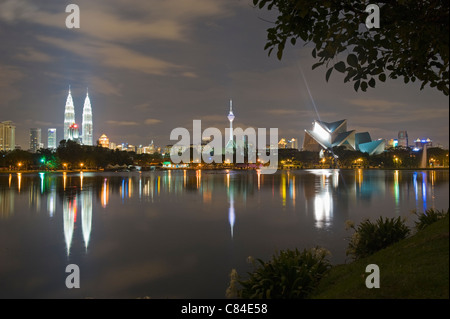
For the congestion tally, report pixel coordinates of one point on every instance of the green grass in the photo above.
(413, 268)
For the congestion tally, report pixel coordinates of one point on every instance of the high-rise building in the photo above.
(86, 125)
(403, 139)
(69, 115)
(51, 138)
(35, 139)
(7, 136)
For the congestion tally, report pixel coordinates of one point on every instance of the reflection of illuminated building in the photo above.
(323, 201)
(86, 215)
(69, 215)
(105, 193)
(51, 202)
(6, 203)
(231, 215)
(19, 181)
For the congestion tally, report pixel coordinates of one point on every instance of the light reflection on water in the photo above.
(187, 224)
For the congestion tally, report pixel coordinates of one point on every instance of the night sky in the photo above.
(152, 66)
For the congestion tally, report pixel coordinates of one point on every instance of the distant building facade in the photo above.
(419, 143)
(7, 136)
(51, 138)
(285, 143)
(35, 139)
(403, 139)
(103, 141)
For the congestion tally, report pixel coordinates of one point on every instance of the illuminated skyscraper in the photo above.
(87, 122)
(51, 138)
(35, 139)
(7, 136)
(69, 115)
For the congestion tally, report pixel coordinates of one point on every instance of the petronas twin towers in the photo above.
(71, 128)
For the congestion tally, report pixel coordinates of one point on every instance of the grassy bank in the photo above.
(414, 268)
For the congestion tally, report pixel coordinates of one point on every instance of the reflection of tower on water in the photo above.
(69, 215)
(86, 216)
(70, 207)
(231, 215)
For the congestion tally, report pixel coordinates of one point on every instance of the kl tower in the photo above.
(230, 143)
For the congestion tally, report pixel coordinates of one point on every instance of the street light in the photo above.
(65, 166)
(19, 164)
(81, 165)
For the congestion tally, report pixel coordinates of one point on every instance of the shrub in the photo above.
(289, 274)
(429, 217)
(371, 237)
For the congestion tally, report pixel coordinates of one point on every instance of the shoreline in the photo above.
(220, 169)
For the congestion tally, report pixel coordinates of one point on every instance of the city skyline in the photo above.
(152, 67)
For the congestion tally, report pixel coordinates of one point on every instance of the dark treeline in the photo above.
(341, 157)
(71, 155)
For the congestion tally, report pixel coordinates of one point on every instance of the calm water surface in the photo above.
(178, 234)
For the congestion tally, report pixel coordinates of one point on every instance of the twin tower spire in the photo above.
(71, 128)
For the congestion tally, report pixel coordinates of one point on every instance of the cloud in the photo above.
(286, 112)
(142, 106)
(8, 77)
(122, 123)
(121, 20)
(13, 11)
(105, 87)
(376, 104)
(42, 123)
(114, 56)
(32, 55)
(152, 121)
(189, 74)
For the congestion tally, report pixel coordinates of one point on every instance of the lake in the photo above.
(178, 234)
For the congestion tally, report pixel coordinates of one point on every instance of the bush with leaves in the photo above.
(290, 274)
(370, 237)
(429, 217)
(412, 42)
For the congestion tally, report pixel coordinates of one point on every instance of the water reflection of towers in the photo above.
(71, 204)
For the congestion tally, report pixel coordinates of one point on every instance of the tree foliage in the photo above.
(412, 42)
